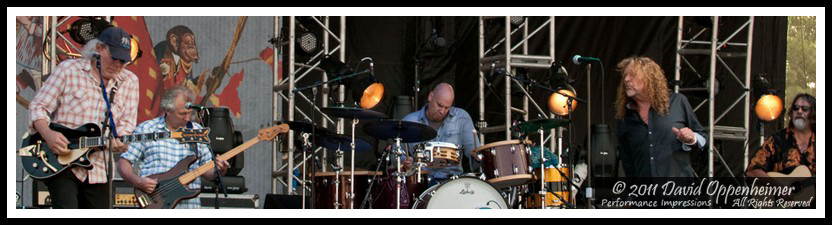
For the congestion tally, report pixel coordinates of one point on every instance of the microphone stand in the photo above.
(108, 115)
(417, 66)
(321, 83)
(217, 174)
(220, 184)
(367, 196)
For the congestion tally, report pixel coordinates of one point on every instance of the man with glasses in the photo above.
(72, 97)
(791, 147)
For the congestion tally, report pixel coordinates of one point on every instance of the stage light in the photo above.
(517, 20)
(135, 50)
(308, 42)
(86, 28)
(372, 94)
(558, 103)
(769, 107)
(366, 91)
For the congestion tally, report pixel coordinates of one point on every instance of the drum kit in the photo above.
(510, 170)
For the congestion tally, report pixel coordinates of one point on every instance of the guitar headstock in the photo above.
(190, 135)
(269, 133)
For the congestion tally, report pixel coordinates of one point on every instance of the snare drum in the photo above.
(325, 191)
(461, 193)
(438, 154)
(505, 163)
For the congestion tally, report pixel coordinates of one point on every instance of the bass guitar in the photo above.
(172, 186)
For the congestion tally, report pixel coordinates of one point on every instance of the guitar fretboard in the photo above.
(88, 142)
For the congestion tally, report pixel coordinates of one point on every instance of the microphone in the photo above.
(96, 55)
(578, 59)
(372, 69)
(190, 105)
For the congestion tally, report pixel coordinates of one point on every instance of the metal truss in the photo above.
(684, 47)
(511, 61)
(298, 70)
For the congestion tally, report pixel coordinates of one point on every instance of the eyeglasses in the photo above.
(805, 108)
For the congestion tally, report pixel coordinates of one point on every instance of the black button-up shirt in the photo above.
(652, 150)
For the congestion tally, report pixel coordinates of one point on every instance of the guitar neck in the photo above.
(89, 142)
(193, 175)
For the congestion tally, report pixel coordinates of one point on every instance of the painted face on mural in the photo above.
(188, 51)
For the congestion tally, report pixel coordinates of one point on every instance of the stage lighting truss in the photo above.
(503, 54)
(719, 47)
(305, 54)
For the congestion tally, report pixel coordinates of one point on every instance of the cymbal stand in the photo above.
(340, 165)
(542, 171)
(351, 195)
(307, 145)
(399, 177)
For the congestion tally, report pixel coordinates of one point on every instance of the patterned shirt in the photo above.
(457, 128)
(780, 153)
(161, 155)
(72, 97)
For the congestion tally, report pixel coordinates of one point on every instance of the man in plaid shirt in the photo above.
(159, 156)
(72, 97)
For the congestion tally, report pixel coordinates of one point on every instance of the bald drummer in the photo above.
(453, 125)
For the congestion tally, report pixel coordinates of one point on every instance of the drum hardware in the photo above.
(540, 125)
(400, 131)
(356, 114)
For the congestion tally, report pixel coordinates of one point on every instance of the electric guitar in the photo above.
(40, 162)
(172, 186)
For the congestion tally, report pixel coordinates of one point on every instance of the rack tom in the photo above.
(505, 163)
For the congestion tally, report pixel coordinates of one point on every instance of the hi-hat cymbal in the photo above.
(408, 131)
(534, 125)
(353, 113)
(334, 141)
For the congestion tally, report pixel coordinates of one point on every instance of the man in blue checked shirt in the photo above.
(160, 156)
(453, 125)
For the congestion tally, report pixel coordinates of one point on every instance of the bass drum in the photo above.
(461, 193)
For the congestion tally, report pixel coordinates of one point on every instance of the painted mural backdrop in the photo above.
(227, 61)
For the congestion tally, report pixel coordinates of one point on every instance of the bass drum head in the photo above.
(462, 193)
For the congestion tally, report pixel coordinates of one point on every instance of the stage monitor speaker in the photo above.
(275, 201)
(604, 152)
(403, 106)
(224, 137)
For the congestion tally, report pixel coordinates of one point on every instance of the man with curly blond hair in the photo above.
(657, 129)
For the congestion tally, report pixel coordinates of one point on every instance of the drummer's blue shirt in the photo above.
(457, 128)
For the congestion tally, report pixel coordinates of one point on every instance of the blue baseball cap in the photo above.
(119, 42)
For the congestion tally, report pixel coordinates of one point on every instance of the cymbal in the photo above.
(306, 127)
(537, 124)
(353, 113)
(408, 131)
(334, 141)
